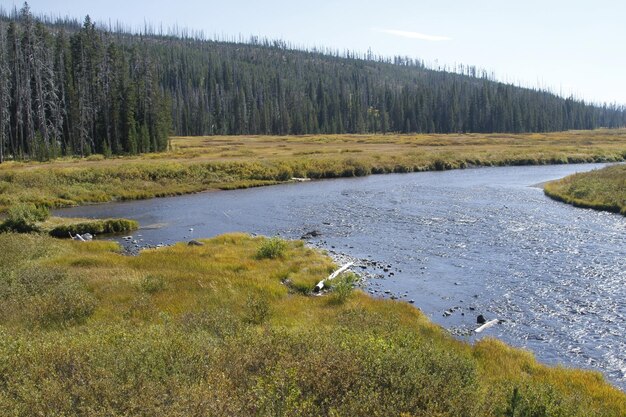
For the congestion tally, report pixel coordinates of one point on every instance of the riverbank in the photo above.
(219, 162)
(221, 330)
(603, 189)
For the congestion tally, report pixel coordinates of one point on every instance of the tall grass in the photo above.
(213, 330)
(603, 189)
(197, 164)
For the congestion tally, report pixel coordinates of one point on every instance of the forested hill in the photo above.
(74, 89)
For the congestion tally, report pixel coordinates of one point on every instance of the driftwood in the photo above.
(296, 179)
(487, 325)
(335, 274)
(84, 238)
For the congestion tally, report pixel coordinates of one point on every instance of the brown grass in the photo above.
(227, 162)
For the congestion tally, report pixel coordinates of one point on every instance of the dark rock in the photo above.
(195, 243)
(309, 235)
(481, 319)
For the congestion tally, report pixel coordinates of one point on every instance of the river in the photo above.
(456, 243)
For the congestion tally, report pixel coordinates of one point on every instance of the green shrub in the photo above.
(342, 287)
(95, 227)
(153, 284)
(41, 296)
(66, 303)
(22, 218)
(257, 309)
(272, 248)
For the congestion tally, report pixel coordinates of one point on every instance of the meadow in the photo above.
(602, 189)
(196, 164)
(230, 328)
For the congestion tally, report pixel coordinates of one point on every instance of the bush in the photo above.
(153, 284)
(95, 227)
(257, 310)
(272, 248)
(23, 218)
(46, 296)
(67, 303)
(342, 287)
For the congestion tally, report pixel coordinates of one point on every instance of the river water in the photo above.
(456, 243)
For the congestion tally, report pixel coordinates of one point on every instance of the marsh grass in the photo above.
(64, 228)
(200, 163)
(225, 336)
(603, 189)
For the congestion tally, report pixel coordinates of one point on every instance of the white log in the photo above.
(320, 284)
(296, 179)
(487, 325)
(79, 237)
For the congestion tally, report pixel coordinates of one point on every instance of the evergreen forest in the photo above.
(72, 88)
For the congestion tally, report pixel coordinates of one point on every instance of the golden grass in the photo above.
(219, 330)
(227, 162)
(603, 189)
(216, 330)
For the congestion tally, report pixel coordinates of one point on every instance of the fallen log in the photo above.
(78, 237)
(487, 325)
(335, 274)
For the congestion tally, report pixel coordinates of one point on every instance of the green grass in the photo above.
(603, 189)
(215, 330)
(95, 227)
(226, 162)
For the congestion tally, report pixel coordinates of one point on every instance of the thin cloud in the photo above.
(413, 35)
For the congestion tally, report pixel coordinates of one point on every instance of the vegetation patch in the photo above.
(271, 248)
(95, 227)
(603, 189)
(24, 218)
(212, 330)
(195, 163)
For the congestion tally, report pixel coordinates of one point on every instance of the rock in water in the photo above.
(311, 234)
(481, 319)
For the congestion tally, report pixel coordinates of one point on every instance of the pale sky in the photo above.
(569, 46)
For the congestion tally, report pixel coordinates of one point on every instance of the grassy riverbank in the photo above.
(603, 189)
(225, 329)
(203, 163)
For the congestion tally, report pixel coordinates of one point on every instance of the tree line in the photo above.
(76, 93)
(73, 89)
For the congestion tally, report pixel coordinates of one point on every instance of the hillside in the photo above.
(67, 88)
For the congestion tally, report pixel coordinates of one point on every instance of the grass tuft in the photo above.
(271, 248)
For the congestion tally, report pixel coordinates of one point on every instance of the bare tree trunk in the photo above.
(5, 86)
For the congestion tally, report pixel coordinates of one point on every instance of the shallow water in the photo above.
(457, 243)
